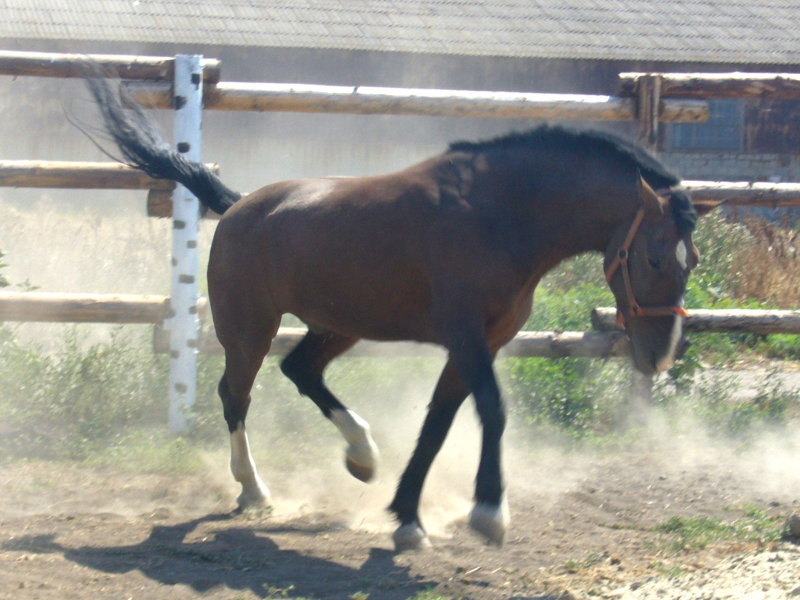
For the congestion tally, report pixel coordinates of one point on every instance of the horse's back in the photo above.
(341, 253)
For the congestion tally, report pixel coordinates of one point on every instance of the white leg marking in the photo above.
(362, 453)
(680, 254)
(254, 492)
(491, 521)
(410, 537)
(668, 359)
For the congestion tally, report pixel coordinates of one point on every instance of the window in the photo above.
(722, 131)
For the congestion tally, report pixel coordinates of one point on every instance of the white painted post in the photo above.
(184, 324)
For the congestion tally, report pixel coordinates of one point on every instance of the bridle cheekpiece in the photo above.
(620, 263)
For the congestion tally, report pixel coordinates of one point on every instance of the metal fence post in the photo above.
(184, 324)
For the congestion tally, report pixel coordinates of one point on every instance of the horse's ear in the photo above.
(703, 207)
(653, 204)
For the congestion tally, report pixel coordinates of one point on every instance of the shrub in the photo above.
(70, 402)
(63, 404)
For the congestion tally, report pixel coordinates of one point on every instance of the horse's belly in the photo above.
(367, 312)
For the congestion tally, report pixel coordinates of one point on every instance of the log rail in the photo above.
(773, 86)
(129, 308)
(238, 96)
(755, 321)
(606, 342)
(62, 65)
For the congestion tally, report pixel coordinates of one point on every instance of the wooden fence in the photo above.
(649, 98)
(605, 342)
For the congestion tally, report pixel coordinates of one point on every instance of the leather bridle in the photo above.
(620, 263)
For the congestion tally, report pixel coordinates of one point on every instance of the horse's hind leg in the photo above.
(243, 358)
(304, 365)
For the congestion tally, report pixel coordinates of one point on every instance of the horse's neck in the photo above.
(561, 209)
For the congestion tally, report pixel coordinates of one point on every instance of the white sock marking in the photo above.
(410, 537)
(361, 449)
(490, 520)
(244, 471)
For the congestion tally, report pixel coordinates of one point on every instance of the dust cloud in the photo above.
(80, 250)
(672, 444)
(303, 463)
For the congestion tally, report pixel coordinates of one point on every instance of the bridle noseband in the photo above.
(621, 262)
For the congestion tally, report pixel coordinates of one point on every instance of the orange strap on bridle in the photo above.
(620, 262)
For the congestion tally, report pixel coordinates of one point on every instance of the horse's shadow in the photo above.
(237, 558)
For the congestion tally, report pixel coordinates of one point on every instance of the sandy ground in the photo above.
(583, 527)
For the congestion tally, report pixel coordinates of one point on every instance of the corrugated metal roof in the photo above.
(721, 31)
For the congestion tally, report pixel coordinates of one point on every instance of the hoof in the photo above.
(410, 537)
(362, 453)
(257, 497)
(490, 521)
(360, 472)
(362, 460)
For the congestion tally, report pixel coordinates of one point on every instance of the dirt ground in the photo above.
(582, 527)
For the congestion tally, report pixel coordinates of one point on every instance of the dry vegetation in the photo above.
(103, 503)
(769, 265)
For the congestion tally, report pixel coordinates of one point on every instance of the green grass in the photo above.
(699, 532)
(669, 571)
(784, 346)
(106, 402)
(427, 595)
(145, 451)
(576, 565)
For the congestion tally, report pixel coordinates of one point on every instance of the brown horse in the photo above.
(448, 251)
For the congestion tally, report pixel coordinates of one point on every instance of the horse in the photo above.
(448, 252)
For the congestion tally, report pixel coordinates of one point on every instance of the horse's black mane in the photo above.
(604, 143)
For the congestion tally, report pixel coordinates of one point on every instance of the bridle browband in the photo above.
(620, 262)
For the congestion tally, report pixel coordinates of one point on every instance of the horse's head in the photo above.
(647, 266)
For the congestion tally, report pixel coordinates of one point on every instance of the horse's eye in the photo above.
(655, 263)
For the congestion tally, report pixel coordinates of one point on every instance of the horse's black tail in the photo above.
(143, 148)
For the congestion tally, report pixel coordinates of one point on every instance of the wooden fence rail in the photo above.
(153, 309)
(83, 175)
(526, 344)
(83, 308)
(775, 86)
(759, 322)
(425, 102)
(86, 175)
(107, 175)
(734, 193)
(53, 64)
(744, 193)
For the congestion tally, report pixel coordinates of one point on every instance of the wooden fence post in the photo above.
(184, 322)
(648, 110)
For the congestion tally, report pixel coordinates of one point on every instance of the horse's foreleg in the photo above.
(304, 365)
(490, 514)
(451, 390)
